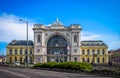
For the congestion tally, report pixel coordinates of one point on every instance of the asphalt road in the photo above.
(8, 72)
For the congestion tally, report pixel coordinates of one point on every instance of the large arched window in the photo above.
(57, 45)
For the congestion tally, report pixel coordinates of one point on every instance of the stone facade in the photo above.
(114, 56)
(56, 42)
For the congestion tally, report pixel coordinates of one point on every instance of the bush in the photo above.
(66, 65)
(106, 70)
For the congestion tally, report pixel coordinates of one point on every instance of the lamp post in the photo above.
(26, 52)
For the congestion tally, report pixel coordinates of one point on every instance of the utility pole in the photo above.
(26, 53)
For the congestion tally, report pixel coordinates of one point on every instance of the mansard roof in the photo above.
(20, 43)
(93, 43)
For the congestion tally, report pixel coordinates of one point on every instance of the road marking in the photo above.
(14, 73)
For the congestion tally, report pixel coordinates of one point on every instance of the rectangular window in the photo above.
(16, 52)
(30, 51)
(21, 51)
(10, 51)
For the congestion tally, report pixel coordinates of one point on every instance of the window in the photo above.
(93, 60)
(30, 51)
(93, 51)
(103, 51)
(57, 45)
(83, 59)
(21, 51)
(15, 51)
(75, 51)
(83, 51)
(20, 59)
(98, 60)
(98, 51)
(38, 38)
(15, 58)
(103, 60)
(88, 60)
(10, 59)
(75, 59)
(88, 52)
(30, 59)
(38, 50)
(10, 51)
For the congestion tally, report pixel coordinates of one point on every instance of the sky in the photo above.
(99, 19)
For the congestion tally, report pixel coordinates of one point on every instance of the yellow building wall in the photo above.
(95, 55)
(18, 55)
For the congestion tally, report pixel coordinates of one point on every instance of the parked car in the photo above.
(17, 63)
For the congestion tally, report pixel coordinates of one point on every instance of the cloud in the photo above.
(11, 28)
(86, 35)
(112, 40)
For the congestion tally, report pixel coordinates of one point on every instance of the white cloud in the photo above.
(86, 35)
(11, 28)
(112, 40)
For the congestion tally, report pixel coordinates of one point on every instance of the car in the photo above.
(17, 63)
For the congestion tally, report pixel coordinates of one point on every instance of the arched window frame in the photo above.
(98, 60)
(83, 51)
(98, 51)
(16, 52)
(83, 59)
(103, 51)
(15, 59)
(75, 59)
(93, 51)
(88, 51)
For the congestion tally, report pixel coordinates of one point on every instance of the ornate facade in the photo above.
(114, 56)
(56, 43)
(94, 52)
(16, 52)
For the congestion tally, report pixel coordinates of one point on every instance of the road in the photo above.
(8, 72)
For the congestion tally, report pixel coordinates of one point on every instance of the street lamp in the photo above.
(26, 53)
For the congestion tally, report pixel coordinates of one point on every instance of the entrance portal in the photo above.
(57, 49)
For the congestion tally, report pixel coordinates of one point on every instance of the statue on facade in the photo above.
(39, 38)
(75, 38)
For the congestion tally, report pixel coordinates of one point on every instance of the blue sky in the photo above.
(99, 19)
